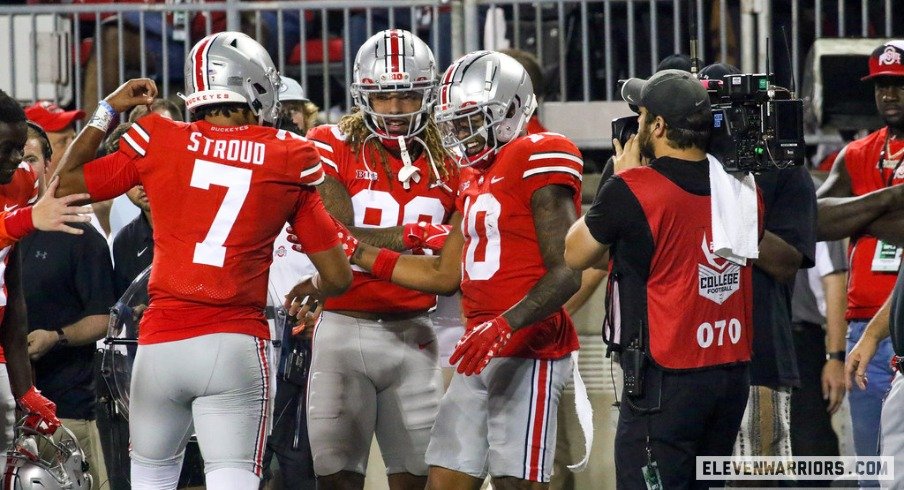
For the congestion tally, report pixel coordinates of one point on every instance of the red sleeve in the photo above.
(316, 231)
(15, 225)
(110, 176)
(550, 158)
(322, 138)
(311, 168)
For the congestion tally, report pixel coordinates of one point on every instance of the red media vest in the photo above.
(699, 305)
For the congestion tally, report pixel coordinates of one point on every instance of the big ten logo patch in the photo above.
(365, 175)
(719, 278)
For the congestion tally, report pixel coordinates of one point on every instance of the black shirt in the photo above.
(67, 277)
(133, 251)
(789, 201)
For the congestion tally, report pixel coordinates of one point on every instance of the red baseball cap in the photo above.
(51, 117)
(885, 61)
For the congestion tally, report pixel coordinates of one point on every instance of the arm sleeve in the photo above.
(320, 137)
(114, 174)
(110, 176)
(14, 225)
(550, 160)
(612, 212)
(311, 168)
(316, 231)
(94, 274)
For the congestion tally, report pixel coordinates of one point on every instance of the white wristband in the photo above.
(104, 116)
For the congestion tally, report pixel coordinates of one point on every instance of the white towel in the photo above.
(734, 213)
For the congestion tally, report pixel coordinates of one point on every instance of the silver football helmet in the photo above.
(291, 91)
(122, 339)
(394, 60)
(232, 67)
(40, 462)
(485, 99)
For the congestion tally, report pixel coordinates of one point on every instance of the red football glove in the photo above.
(425, 235)
(478, 346)
(346, 239)
(41, 412)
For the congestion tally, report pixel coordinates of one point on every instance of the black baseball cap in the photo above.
(672, 94)
(677, 61)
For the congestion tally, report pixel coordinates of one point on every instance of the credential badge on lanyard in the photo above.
(887, 257)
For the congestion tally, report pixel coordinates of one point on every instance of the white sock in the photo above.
(232, 479)
(145, 477)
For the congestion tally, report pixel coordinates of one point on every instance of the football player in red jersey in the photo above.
(220, 188)
(18, 190)
(389, 178)
(517, 197)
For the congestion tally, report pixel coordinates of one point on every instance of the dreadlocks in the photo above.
(356, 133)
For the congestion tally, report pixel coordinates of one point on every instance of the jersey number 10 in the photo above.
(481, 229)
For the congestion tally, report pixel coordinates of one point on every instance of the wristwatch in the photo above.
(61, 337)
(838, 356)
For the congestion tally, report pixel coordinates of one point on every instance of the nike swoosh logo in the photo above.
(424, 345)
(496, 179)
(698, 104)
(10, 208)
(145, 249)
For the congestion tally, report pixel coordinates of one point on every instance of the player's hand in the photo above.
(627, 157)
(425, 235)
(52, 214)
(304, 298)
(40, 342)
(833, 388)
(137, 91)
(41, 412)
(305, 325)
(857, 361)
(477, 347)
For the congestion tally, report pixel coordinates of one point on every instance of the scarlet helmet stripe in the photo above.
(201, 81)
(447, 82)
(457, 70)
(394, 50)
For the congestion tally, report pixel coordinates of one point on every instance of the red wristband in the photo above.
(385, 263)
(19, 223)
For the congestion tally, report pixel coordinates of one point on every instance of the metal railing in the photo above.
(584, 46)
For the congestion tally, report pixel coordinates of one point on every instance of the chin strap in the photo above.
(408, 172)
(434, 166)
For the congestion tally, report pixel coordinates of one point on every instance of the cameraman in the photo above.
(686, 341)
